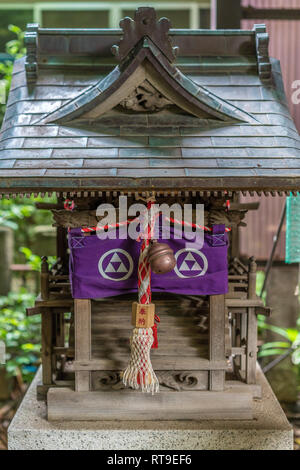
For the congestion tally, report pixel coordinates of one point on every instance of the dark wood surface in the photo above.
(252, 13)
(178, 331)
(226, 14)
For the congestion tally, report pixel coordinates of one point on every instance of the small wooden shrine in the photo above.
(188, 116)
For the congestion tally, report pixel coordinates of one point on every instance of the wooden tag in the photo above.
(143, 315)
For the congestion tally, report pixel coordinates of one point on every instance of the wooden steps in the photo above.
(66, 405)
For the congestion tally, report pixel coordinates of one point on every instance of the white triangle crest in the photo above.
(122, 268)
(116, 258)
(196, 267)
(189, 257)
(184, 267)
(110, 269)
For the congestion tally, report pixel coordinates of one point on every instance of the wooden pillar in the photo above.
(47, 334)
(82, 342)
(226, 14)
(6, 256)
(234, 247)
(237, 337)
(251, 326)
(45, 278)
(62, 247)
(217, 340)
(60, 329)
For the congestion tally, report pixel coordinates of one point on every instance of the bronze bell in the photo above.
(161, 257)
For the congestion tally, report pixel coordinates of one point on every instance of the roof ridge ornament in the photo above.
(262, 51)
(143, 25)
(31, 43)
(147, 56)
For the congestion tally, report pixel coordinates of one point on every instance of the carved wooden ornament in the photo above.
(144, 24)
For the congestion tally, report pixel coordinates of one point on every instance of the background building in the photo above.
(80, 14)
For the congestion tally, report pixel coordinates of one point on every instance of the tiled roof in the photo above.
(166, 149)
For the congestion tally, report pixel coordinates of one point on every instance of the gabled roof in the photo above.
(222, 122)
(146, 54)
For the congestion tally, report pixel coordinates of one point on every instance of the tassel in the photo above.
(155, 336)
(139, 373)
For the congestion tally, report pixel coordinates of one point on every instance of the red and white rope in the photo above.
(144, 272)
(127, 222)
(140, 373)
(189, 224)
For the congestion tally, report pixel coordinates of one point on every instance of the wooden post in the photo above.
(62, 247)
(6, 256)
(252, 278)
(234, 247)
(60, 329)
(45, 278)
(237, 342)
(82, 342)
(226, 14)
(47, 332)
(217, 339)
(251, 326)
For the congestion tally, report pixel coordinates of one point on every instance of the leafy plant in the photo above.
(21, 215)
(12, 213)
(15, 48)
(35, 261)
(260, 277)
(20, 334)
(291, 345)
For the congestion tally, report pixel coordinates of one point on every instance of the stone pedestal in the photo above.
(269, 430)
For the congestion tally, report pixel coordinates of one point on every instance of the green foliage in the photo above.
(291, 336)
(15, 48)
(20, 334)
(275, 348)
(13, 212)
(260, 277)
(21, 215)
(35, 261)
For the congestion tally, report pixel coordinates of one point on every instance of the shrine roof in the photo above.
(224, 126)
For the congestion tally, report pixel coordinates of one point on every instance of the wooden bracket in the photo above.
(30, 311)
(265, 311)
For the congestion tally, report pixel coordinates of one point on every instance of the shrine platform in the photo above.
(269, 430)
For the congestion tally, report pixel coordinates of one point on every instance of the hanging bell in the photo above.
(161, 258)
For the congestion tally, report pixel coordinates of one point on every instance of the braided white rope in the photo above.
(139, 373)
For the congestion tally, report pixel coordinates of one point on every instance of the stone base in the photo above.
(269, 430)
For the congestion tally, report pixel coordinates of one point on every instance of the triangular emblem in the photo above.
(189, 257)
(122, 269)
(116, 258)
(196, 267)
(110, 269)
(184, 267)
